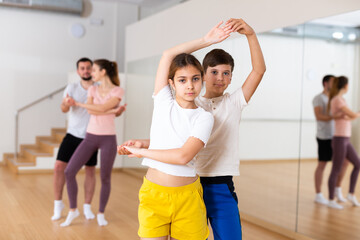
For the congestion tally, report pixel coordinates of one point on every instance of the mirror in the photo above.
(331, 46)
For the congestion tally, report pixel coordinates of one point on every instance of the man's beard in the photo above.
(86, 79)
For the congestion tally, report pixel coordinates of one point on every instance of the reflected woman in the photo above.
(342, 148)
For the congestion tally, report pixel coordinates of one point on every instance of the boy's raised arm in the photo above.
(257, 59)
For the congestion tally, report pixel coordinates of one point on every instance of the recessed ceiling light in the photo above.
(337, 35)
(352, 36)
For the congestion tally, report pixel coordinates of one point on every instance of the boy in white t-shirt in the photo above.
(219, 162)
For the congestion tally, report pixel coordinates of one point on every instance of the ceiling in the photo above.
(142, 3)
(351, 19)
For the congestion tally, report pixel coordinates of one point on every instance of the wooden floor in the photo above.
(26, 203)
(269, 192)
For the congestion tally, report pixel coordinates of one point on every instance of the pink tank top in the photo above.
(103, 124)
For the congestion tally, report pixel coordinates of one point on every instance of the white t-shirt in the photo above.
(78, 117)
(221, 156)
(325, 129)
(171, 126)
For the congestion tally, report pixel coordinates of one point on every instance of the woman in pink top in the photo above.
(342, 147)
(102, 103)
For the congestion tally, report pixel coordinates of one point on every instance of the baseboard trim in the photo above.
(253, 161)
(50, 171)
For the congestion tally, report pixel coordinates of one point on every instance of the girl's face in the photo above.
(346, 88)
(187, 83)
(96, 73)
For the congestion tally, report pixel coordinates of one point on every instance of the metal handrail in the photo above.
(50, 95)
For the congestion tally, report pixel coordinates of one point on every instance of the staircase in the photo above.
(39, 157)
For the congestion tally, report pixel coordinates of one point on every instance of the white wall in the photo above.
(192, 19)
(37, 52)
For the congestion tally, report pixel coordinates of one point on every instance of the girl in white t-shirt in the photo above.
(171, 200)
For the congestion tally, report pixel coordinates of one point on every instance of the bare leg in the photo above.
(59, 179)
(59, 182)
(319, 175)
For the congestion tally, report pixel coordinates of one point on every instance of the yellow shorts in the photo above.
(176, 211)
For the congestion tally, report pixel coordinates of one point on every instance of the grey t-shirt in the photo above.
(325, 129)
(78, 117)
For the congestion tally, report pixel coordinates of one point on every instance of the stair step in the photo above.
(50, 142)
(37, 152)
(28, 154)
(47, 144)
(13, 164)
(21, 161)
(59, 129)
(33, 153)
(59, 136)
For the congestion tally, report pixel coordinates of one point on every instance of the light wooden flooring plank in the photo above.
(269, 191)
(26, 203)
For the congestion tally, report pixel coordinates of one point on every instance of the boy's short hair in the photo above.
(217, 57)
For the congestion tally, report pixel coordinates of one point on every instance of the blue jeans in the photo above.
(222, 207)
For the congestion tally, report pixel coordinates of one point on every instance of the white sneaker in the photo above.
(319, 198)
(334, 204)
(353, 200)
(338, 195)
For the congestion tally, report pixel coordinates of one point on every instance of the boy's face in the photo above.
(217, 79)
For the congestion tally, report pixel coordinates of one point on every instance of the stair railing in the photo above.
(17, 113)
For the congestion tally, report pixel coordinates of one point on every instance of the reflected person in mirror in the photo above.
(324, 134)
(342, 148)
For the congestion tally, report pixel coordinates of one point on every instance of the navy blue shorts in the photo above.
(222, 207)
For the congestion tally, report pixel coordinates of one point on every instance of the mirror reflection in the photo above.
(329, 168)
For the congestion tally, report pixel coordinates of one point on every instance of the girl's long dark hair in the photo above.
(110, 68)
(338, 84)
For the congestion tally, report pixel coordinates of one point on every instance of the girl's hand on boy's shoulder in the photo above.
(239, 25)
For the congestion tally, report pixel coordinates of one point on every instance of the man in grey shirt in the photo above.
(325, 131)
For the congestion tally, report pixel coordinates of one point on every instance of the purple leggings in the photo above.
(91, 143)
(342, 149)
